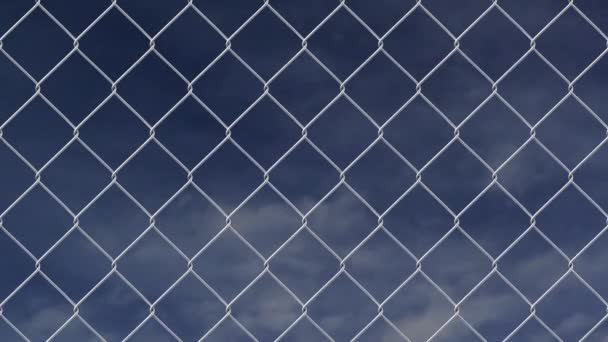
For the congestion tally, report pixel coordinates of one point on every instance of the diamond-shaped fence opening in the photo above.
(280, 170)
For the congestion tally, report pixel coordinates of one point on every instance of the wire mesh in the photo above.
(343, 78)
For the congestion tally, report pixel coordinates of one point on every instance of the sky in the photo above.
(317, 170)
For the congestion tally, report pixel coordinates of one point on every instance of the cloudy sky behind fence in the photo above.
(384, 170)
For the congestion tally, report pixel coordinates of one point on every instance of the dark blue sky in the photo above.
(303, 170)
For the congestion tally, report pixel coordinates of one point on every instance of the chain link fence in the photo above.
(263, 288)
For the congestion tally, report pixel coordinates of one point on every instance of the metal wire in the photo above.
(266, 181)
